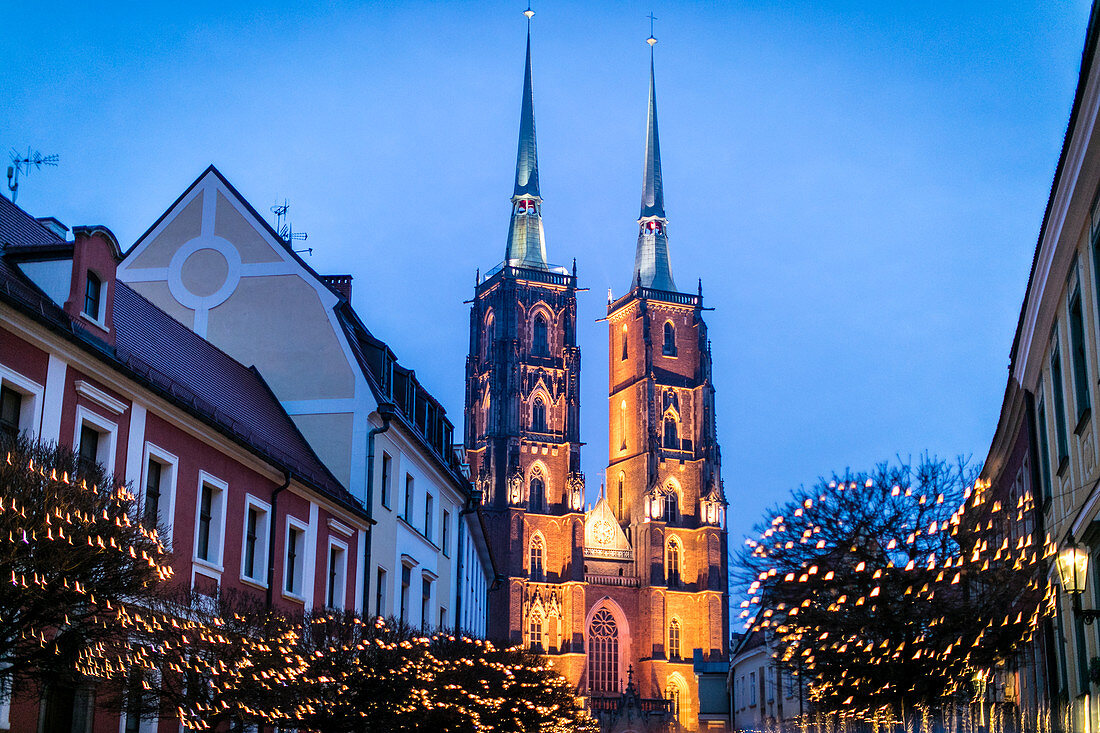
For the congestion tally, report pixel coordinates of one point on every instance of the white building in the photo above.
(764, 694)
(215, 265)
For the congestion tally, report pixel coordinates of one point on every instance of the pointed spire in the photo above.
(652, 268)
(525, 239)
(527, 161)
(653, 194)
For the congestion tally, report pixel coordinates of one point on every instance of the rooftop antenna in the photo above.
(284, 229)
(22, 164)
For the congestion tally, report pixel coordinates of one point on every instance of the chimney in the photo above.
(340, 283)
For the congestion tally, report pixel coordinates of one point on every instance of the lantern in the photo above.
(1073, 568)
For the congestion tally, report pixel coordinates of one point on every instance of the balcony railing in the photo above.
(553, 276)
(624, 581)
(611, 704)
(665, 296)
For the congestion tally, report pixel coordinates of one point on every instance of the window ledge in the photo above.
(293, 597)
(1083, 421)
(206, 564)
(95, 322)
(1063, 464)
(417, 532)
(262, 585)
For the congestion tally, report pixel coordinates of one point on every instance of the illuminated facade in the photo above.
(626, 596)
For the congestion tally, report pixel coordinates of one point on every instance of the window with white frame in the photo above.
(445, 534)
(380, 593)
(94, 440)
(387, 472)
(426, 604)
(20, 402)
(158, 491)
(210, 519)
(336, 594)
(93, 297)
(409, 498)
(254, 548)
(294, 567)
(429, 515)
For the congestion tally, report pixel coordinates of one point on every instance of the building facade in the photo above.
(1044, 461)
(765, 695)
(215, 265)
(241, 500)
(633, 589)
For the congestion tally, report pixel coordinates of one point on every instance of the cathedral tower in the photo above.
(664, 465)
(624, 596)
(522, 426)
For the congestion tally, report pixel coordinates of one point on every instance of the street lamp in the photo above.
(1073, 568)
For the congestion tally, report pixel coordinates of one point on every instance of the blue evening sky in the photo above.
(860, 185)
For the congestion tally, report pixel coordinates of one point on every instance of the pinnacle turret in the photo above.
(652, 268)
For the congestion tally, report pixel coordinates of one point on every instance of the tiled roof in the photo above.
(18, 228)
(156, 350)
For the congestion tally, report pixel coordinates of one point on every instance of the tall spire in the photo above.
(653, 193)
(527, 160)
(652, 268)
(525, 238)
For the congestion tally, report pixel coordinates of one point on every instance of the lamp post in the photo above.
(1073, 568)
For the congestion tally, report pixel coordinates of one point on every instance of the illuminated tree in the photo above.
(384, 676)
(893, 589)
(72, 561)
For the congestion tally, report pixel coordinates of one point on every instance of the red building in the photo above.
(241, 499)
(629, 599)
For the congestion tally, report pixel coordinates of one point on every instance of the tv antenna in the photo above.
(285, 230)
(22, 164)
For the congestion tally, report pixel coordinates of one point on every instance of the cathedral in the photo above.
(625, 597)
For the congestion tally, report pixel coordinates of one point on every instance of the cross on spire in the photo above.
(652, 40)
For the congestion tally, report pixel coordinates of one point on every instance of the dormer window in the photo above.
(93, 288)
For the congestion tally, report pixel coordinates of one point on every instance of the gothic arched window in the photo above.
(672, 563)
(622, 424)
(672, 504)
(674, 639)
(622, 488)
(624, 342)
(603, 653)
(536, 498)
(534, 631)
(535, 561)
(490, 335)
(673, 695)
(672, 434)
(540, 344)
(670, 340)
(538, 416)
